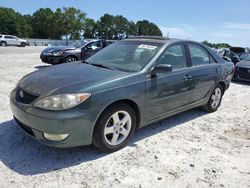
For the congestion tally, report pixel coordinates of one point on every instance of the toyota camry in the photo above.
(125, 86)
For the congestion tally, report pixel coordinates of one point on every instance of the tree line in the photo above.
(216, 45)
(72, 23)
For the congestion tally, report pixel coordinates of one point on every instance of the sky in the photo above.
(213, 20)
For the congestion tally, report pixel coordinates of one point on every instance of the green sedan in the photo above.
(128, 85)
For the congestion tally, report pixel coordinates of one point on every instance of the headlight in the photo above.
(59, 53)
(62, 102)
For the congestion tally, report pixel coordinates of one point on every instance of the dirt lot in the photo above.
(192, 149)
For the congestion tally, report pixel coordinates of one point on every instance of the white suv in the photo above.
(11, 40)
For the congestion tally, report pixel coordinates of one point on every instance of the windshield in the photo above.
(247, 57)
(78, 44)
(129, 56)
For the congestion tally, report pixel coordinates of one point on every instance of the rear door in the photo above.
(205, 71)
(170, 91)
(10, 40)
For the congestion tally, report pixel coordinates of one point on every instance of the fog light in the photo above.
(55, 137)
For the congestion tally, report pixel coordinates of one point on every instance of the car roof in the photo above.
(157, 39)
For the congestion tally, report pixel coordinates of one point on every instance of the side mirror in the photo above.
(161, 69)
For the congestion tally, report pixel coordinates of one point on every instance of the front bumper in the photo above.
(51, 59)
(34, 122)
(243, 73)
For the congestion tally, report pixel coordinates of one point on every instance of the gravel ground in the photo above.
(192, 149)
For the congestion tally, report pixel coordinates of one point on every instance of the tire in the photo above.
(70, 59)
(215, 99)
(3, 44)
(111, 134)
(23, 44)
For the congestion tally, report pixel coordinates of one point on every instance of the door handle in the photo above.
(217, 70)
(188, 77)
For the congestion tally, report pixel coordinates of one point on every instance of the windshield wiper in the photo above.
(101, 65)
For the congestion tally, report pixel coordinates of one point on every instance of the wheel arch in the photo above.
(74, 56)
(2, 41)
(131, 103)
(223, 86)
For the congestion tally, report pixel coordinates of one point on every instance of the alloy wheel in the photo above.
(117, 128)
(71, 59)
(216, 98)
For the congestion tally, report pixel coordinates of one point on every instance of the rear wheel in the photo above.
(115, 127)
(4, 44)
(215, 99)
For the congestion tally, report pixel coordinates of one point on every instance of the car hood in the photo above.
(67, 78)
(22, 40)
(243, 64)
(58, 48)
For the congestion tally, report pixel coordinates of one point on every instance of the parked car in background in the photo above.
(125, 86)
(242, 69)
(76, 51)
(11, 40)
(229, 56)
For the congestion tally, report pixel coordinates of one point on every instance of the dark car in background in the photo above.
(239, 51)
(242, 69)
(125, 86)
(76, 51)
(229, 56)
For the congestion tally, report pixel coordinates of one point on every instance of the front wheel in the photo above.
(115, 127)
(215, 99)
(23, 44)
(70, 59)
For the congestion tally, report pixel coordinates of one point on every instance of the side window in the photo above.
(227, 54)
(174, 55)
(94, 45)
(199, 56)
(8, 37)
(212, 59)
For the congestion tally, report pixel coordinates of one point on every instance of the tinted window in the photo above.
(94, 45)
(8, 37)
(199, 56)
(174, 55)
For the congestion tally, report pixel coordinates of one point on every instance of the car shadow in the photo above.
(42, 66)
(26, 156)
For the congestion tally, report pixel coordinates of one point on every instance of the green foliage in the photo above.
(147, 28)
(42, 23)
(13, 23)
(218, 45)
(71, 22)
(89, 28)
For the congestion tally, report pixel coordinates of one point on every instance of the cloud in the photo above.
(245, 26)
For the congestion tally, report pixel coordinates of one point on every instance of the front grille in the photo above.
(25, 128)
(25, 97)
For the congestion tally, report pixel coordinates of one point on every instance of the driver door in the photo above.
(90, 49)
(168, 92)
